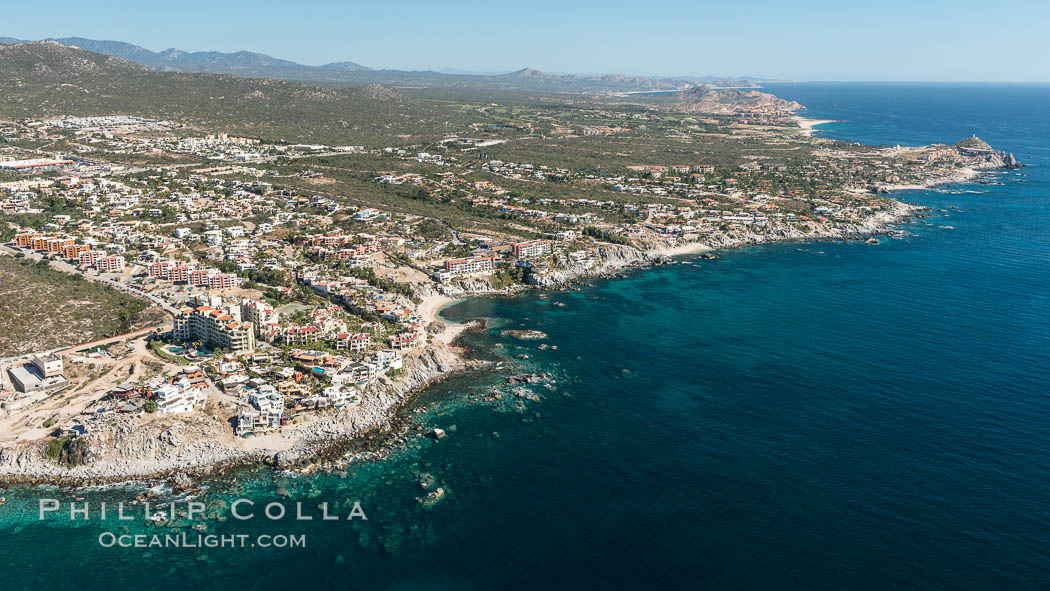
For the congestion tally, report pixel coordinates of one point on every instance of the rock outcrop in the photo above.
(608, 259)
(991, 158)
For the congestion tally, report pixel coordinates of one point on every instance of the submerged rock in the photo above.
(525, 335)
(432, 498)
(427, 481)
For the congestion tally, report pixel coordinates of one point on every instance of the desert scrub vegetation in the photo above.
(42, 308)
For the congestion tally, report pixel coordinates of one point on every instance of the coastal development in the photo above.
(273, 293)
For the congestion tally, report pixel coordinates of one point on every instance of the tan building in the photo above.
(532, 248)
(216, 328)
(49, 366)
(470, 266)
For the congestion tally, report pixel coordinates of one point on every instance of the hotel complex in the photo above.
(216, 328)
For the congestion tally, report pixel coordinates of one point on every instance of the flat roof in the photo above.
(25, 376)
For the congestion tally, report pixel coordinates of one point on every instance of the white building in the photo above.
(269, 408)
(176, 398)
(387, 359)
(339, 396)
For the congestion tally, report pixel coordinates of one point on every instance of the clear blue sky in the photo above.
(959, 40)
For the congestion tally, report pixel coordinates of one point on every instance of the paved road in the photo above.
(116, 339)
(161, 328)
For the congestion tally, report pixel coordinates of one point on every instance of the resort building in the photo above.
(297, 336)
(532, 248)
(470, 266)
(216, 328)
(259, 313)
(404, 340)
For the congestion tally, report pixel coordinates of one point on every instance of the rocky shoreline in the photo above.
(184, 449)
(124, 454)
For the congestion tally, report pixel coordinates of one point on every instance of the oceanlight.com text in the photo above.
(184, 540)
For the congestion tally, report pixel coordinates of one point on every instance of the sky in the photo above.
(875, 40)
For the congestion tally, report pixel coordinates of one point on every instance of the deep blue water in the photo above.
(793, 416)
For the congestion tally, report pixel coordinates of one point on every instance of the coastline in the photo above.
(313, 442)
(960, 176)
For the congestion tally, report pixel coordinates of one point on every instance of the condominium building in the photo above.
(180, 274)
(89, 258)
(222, 281)
(25, 239)
(73, 252)
(532, 248)
(216, 328)
(259, 313)
(110, 264)
(160, 270)
(469, 266)
(50, 244)
(201, 277)
(352, 342)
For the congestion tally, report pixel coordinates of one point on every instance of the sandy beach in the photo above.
(682, 249)
(808, 125)
(428, 310)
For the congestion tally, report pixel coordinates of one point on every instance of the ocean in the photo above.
(819, 415)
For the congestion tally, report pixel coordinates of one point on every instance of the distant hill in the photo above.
(50, 62)
(241, 63)
(707, 99)
(974, 143)
(49, 79)
(256, 65)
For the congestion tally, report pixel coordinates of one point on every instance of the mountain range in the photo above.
(257, 65)
(46, 78)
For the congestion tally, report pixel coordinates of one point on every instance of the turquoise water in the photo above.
(793, 416)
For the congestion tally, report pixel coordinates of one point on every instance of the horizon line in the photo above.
(467, 72)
